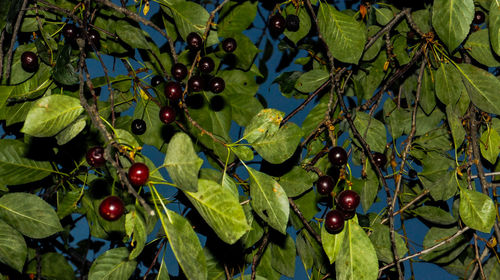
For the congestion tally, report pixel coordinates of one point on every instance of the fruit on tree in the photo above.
(334, 221)
(325, 184)
(138, 174)
(348, 214)
(292, 23)
(348, 200)
(95, 156)
(70, 32)
(194, 41)
(217, 85)
(277, 24)
(206, 64)
(196, 84)
(337, 156)
(94, 38)
(412, 173)
(167, 114)
(380, 159)
(111, 208)
(156, 81)
(179, 71)
(173, 90)
(229, 45)
(479, 17)
(29, 61)
(138, 127)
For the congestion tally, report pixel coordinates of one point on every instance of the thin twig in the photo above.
(386, 28)
(14, 37)
(154, 261)
(258, 255)
(297, 211)
(406, 206)
(478, 265)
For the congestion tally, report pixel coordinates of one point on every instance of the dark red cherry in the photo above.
(138, 174)
(277, 24)
(94, 37)
(217, 103)
(217, 85)
(111, 208)
(334, 221)
(348, 200)
(206, 64)
(167, 114)
(156, 81)
(138, 127)
(70, 32)
(173, 90)
(229, 45)
(292, 23)
(325, 184)
(337, 156)
(29, 61)
(380, 159)
(194, 41)
(179, 71)
(479, 17)
(95, 157)
(348, 214)
(196, 84)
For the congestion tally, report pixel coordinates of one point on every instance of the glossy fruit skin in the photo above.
(138, 127)
(167, 114)
(292, 23)
(95, 157)
(206, 65)
(173, 90)
(179, 71)
(325, 184)
(479, 17)
(196, 84)
(94, 38)
(156, 81)
(348, 214)
(138, 174)
(277, 24)
(194, 41)
(70, 32)
(111, 208)
(29, 61)
(217, 85)
(334, 221)
(229, 45)
(348, 200)
(337, 156)
(380, 159)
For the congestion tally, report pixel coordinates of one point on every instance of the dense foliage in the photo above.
(401, 109)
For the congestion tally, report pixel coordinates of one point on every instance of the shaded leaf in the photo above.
(113, 265)
(182, 162)
(452, 20)
(13, 250)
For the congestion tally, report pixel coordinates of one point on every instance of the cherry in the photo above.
(196, 83)
(29, 61)
(479, 17)
(138, 127)
(111, 208)
(334, 221)
(412, 173)
(337, 156)
(217, 85)
(138, 174)
(206, 64)
(348, 200)
(380, 159)
(229, 45)
(167, 114)
(156, 81)
(348, 214)
(292, 23)
(325, 184)
(194, 41)
(94, 38)
(173, 90)
(179, 71)
(217, 103)
(95, 156)
(70, 32)
(277, 24)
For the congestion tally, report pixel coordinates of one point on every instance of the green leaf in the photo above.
(350, 263)
(68, 203)
(269, 200)
(134, 221)
(332, 243)
(383, 15)
(446, 252)
(51, 114)
(297, 181)
(398, 120)
(17, 73)
(125, 138)
(481, 86)
(148, 111)
(452, 20)
(448, 84)
(185, 245)
(131, 35)
(374, 129)
(367, 188)
(71, 131)
(427, 96)
(305, 24)
(112, 265)
(345, 36)
(283, 252)
(235, 18)
(220, 209)
(16, 168)
(279, 146)
(457, 130)
(478, 45)
(29, 214)
(53, 266)
(492, 268)
(265, 122)
(477, 210)
(243, 152)
(13, 250)
(64, 72)
(244, 54)
(162, 272)
(435, 215)
(310, 81)
(182, 162)
(374, 50)
(381, 239)
(494, 26)
(490, 145)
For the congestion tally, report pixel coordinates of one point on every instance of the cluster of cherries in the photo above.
(173, 89)
(348, 200)
(277, 23)
(112, 207)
